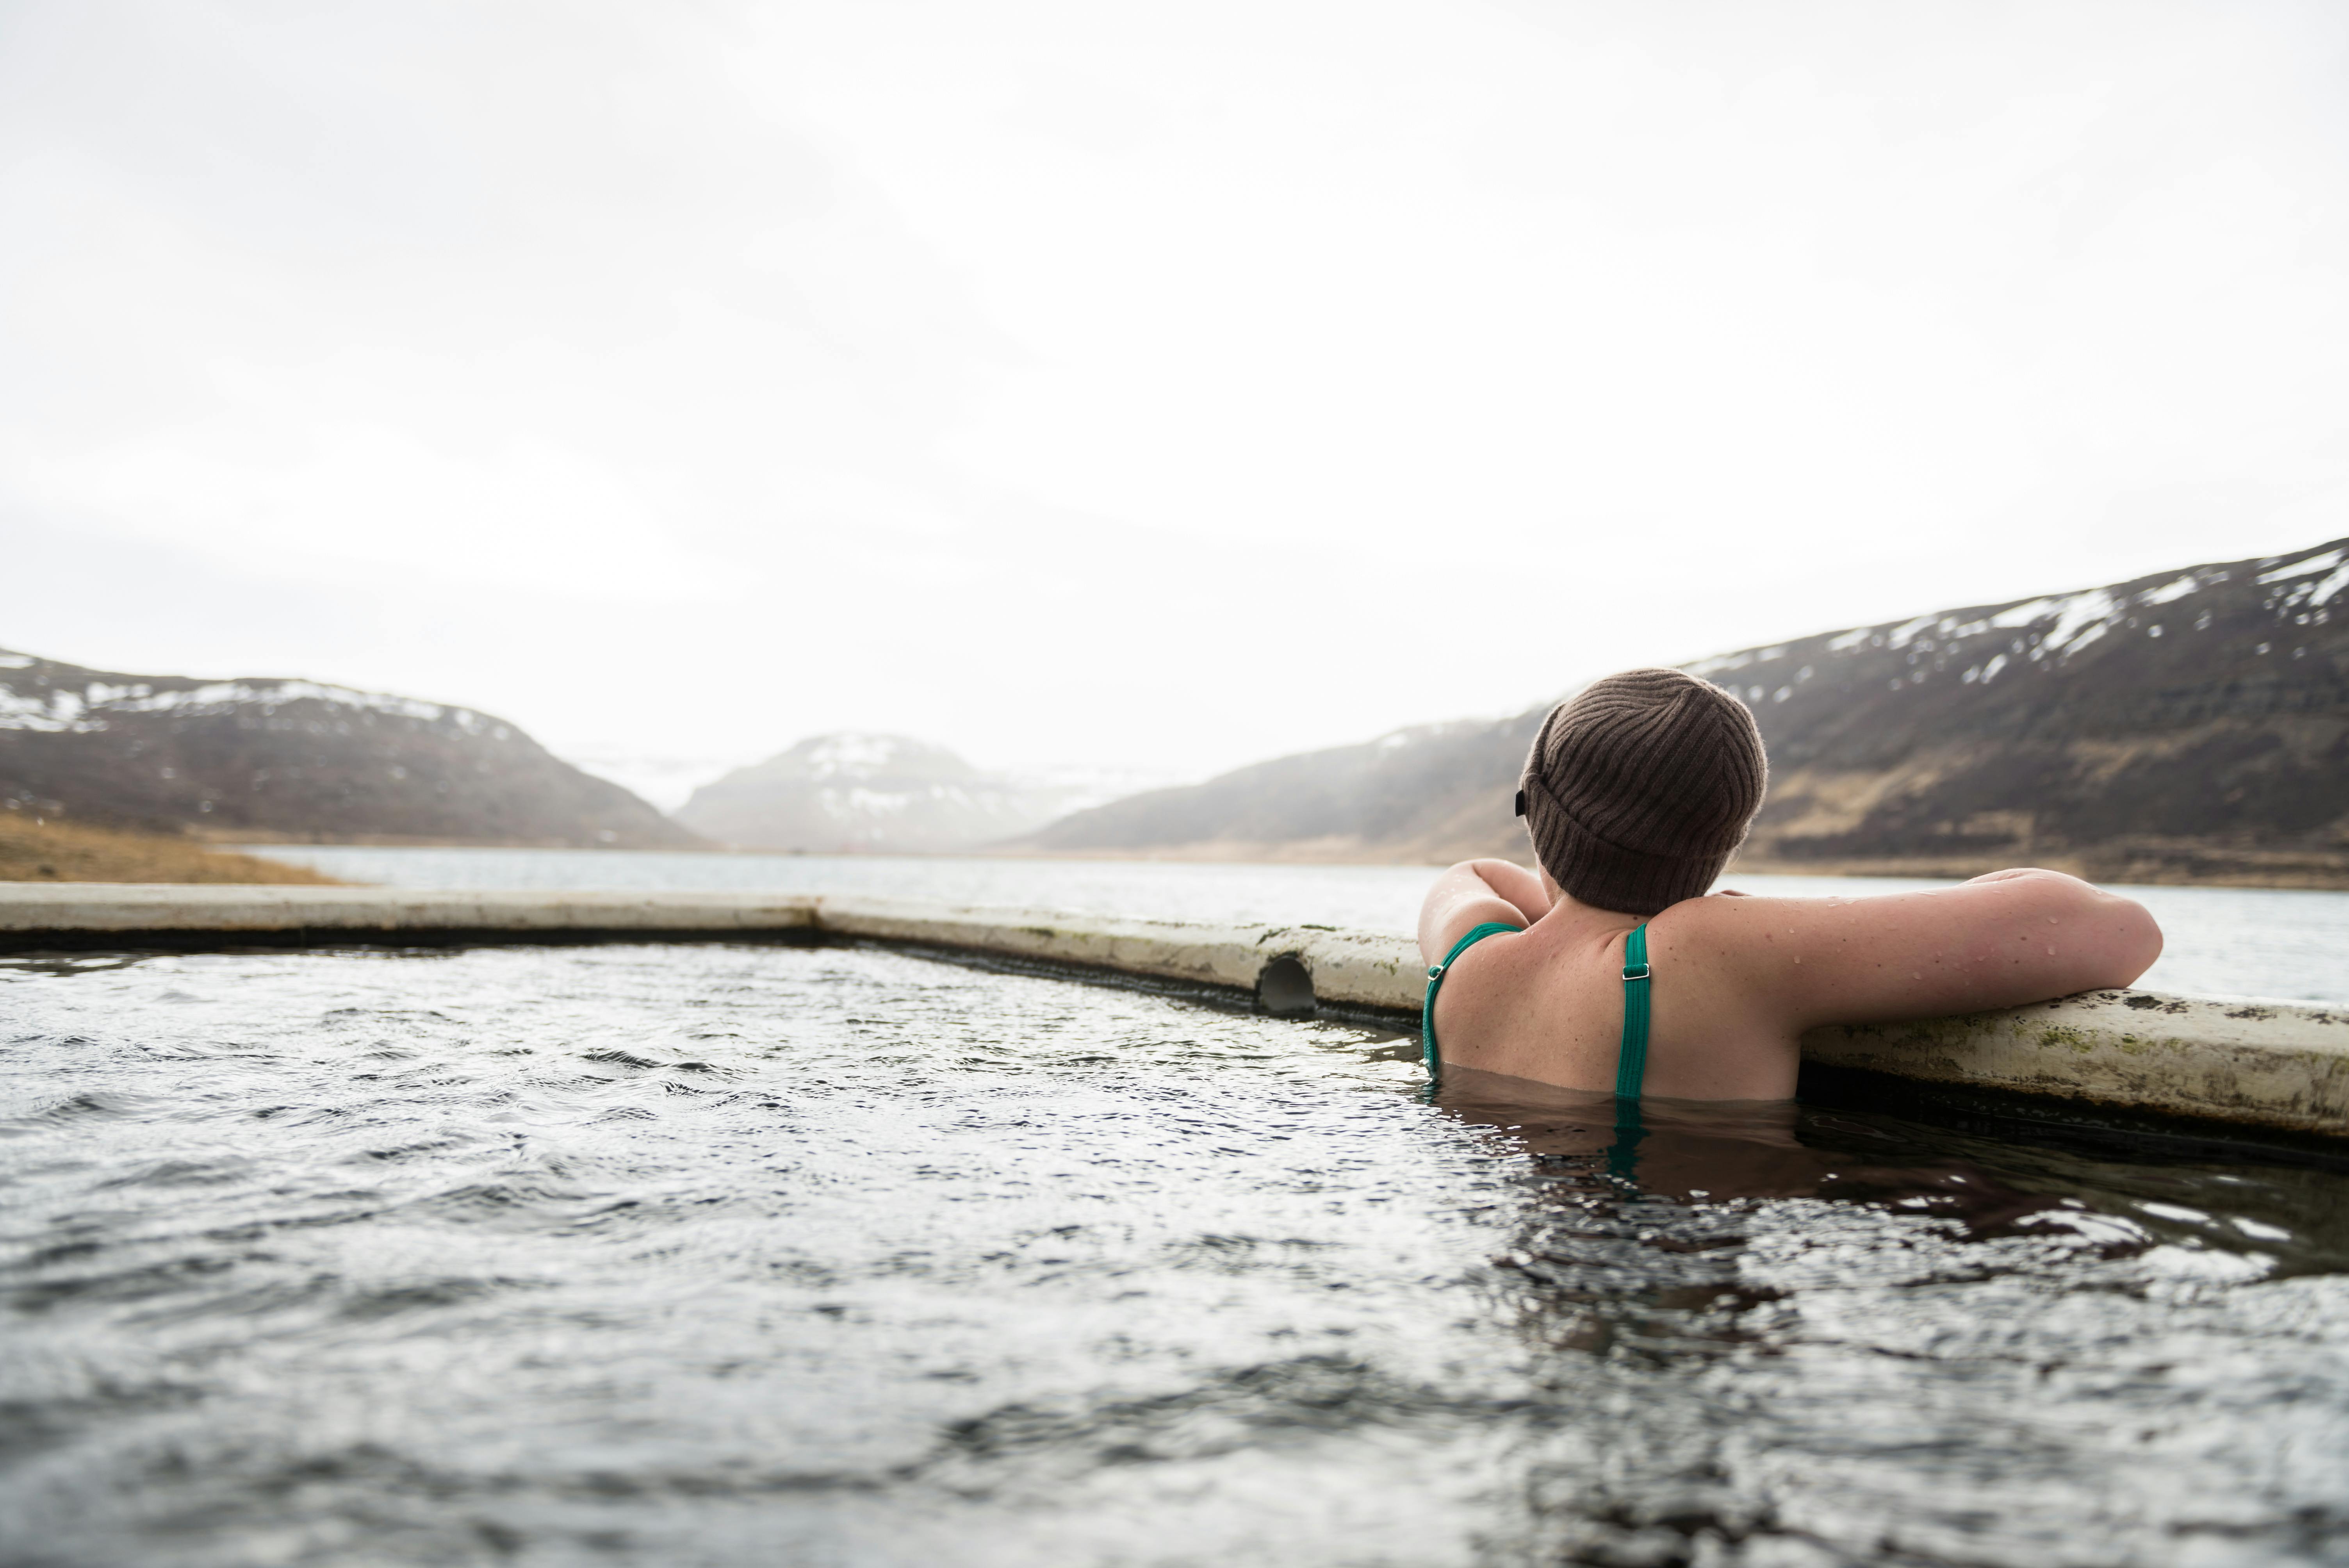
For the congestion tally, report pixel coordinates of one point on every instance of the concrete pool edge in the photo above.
(2271, 1065)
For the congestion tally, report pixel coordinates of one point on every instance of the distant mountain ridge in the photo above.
(853, 792)
(2184, 726)
(294, 758)
(1416, 794)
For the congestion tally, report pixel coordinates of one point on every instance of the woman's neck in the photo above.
(1571, 913)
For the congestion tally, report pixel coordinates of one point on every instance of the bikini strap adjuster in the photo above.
(1636, 972)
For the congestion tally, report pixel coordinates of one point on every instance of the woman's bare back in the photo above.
(1736, 980)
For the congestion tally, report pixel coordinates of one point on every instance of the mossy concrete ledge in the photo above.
(2273, 1065)
(2268, 1064)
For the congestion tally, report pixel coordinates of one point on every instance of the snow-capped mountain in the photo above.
(860, 792)
(293, 758)
(2186, 726)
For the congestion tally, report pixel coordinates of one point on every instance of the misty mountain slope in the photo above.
(855, 792)
(293, 760)
(1408, 795)
(2186, 726)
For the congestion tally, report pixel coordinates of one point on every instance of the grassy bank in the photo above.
(34, 850)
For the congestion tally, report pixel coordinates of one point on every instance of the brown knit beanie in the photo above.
(1641, 786)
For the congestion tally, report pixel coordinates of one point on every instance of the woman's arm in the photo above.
(1999, 940)
(1472, 892)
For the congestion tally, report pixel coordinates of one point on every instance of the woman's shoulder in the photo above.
(1729, 920)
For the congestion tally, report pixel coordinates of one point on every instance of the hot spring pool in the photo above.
(735, 1254)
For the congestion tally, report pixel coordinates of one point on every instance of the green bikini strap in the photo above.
(1632, 1060)
(1428, 1052)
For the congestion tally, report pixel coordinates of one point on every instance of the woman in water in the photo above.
(1611, 967)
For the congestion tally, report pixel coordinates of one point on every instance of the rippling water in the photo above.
(743, 1255)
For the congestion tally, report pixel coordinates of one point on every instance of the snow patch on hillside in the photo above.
(2324, 562)
(91, 705)
(2170, 592)
(856, 754)
(2079, 619)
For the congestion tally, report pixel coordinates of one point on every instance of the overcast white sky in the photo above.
(1162, 386)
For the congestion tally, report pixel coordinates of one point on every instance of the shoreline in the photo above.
(2139, 872)
(38, 852)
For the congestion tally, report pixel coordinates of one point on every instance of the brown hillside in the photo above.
(293, 759)
(35, 851)
(2191, 726)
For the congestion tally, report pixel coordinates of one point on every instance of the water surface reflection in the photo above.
(1775, 1333)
